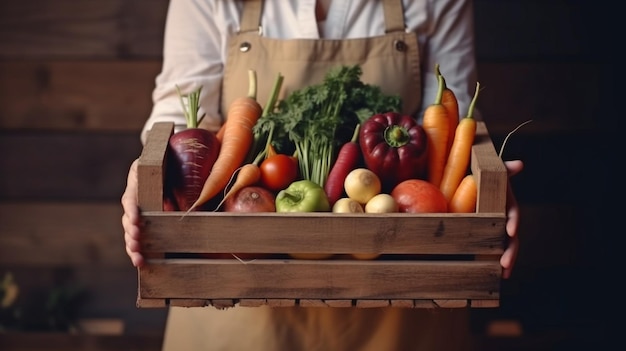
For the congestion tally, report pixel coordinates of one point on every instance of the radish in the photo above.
(347, 160)
(193, 153)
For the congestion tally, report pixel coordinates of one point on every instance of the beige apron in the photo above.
(390, 61)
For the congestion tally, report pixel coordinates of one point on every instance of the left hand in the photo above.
(512, 211)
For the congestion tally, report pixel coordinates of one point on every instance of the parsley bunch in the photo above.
(317, 119)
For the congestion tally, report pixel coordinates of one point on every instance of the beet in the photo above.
(193, 153)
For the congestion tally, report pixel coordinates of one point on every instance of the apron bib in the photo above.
(390, 61)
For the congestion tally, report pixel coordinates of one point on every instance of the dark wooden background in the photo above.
(75, 89)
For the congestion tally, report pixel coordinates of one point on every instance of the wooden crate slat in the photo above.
(292, 279)
(325, 233)
(151, 167)
(403, 303)
(489, 172)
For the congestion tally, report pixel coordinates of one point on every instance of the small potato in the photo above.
(381, 203)
(347, 205)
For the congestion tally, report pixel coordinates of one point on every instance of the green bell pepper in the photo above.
(302, 196)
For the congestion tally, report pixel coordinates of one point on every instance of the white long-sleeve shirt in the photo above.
(197, 33)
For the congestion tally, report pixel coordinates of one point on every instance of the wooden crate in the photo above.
(427, 260)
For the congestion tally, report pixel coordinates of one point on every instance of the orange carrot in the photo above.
(450, 102)
(435, 124)
(242, 116)
(459, 157)
(465, 196)
(247, 175)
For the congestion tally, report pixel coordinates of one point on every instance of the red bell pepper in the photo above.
(394, 147)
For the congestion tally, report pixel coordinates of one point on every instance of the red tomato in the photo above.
(419, 196)
(278, 171)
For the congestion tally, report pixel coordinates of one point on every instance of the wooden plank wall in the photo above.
(75, 85)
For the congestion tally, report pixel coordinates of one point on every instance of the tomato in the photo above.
(278, 171)
(419, 196)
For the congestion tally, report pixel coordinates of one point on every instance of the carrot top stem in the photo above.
(252, 85)
(440, 90)
(470, 110)
(258, 137)
(271, 101)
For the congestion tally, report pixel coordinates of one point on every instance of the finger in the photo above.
(512, 213)
(514, 167)
(135, 257)
(508, 258)
(131, 227)
(129, 198)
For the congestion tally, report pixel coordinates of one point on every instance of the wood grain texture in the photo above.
(43, 166)
(97, 95)
(329, 279)
(489, 173)
(83, 95)
(62, 234)
(91, 29)
(281, 233)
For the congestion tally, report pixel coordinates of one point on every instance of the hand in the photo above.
(512, 211)
(131, 219)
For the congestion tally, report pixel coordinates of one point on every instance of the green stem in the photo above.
(190, 110)
(470, 110)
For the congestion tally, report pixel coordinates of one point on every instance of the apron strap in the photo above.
(251, 17)
(394, 16)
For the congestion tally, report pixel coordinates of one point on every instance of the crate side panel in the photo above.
(151, 167)
(293, 279)
(324, 233)
(489, 172)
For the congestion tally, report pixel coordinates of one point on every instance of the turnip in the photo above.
(347, 205)
(193, 153)
(361, 185)
(381, 203)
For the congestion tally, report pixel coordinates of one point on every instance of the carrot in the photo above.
(465, 196)
(347, 159)
(450, 102)
(436, 125)
(459, 157)
(242, 116)
(247, 175)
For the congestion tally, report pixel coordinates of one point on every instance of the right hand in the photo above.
(131, 219)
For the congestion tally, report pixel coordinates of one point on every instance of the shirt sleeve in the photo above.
(450, 44)
(193, 50)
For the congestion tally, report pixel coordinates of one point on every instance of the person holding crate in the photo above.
(213, 43)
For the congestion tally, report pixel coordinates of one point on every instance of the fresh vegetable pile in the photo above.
(338, 146)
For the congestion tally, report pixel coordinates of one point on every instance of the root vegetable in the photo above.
(347, 205)
(194, 152)
(361, 185)
(381, 203)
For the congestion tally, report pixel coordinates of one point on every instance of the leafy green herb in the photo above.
(319, 118)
